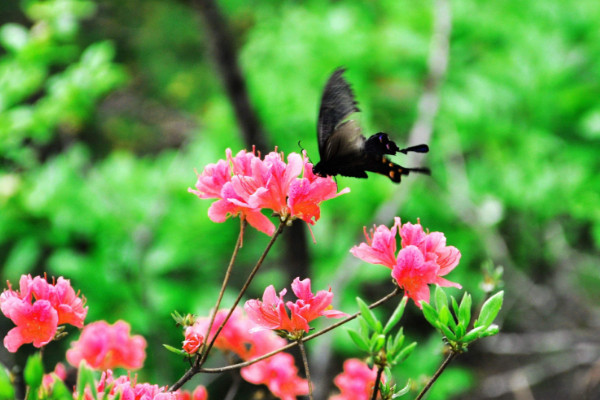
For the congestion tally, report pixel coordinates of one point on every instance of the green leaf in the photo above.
(447, 332)
(175, 350)
(429, 313)
(85, 378)
(472, 335)
(444, 315)
(460, 330)
(34, 372)
(398, 341)
(464, 311)
(490, 310)
(454, 305)
(441, 300)
(377, 342)
(359, 340)
(396, 315)
(402, 391)
(7, 391)
(405, 353)
(60, 391)
(368, 315)
(490, 331)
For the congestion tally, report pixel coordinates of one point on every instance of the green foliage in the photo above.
(33, 374)
(513, 151)
(454, 325)
(7, 391)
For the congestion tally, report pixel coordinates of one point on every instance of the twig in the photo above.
(377, 380)
(238, 245)
(437, 374)
(306, 369)
(306, 339)
(199, 361)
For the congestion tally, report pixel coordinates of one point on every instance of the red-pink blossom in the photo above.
(104, 346)
(59, 374)
(36, 307)
(423, 259)
(245, 185)
(356, 382)
(199, 393)
(380, 247)
(126, 388)
(36, 323)
(68, 304)
(279, 374)
(306, 194)
(193, 340)
(271, 312)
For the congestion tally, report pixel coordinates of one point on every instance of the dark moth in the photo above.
(342, 147)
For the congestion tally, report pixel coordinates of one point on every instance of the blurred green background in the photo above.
(107, 107)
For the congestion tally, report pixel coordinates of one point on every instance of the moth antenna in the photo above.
(420, 148)
(300, 145)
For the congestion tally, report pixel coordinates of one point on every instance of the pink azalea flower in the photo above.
(414, 274)
(125, 388)
(244, 185)
(356, 382)
(36, 323)
(423, 259)
(280, 375)
(59, 373)
(69, 306)
(193, 340)
(306, 194)
(105, 346)
(38, 308)
(380, 247)
(271, 313)
(433, 246)
(199, 393)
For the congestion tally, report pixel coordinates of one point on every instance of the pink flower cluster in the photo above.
(423, 259)
(123, 387)
(271, 313)
(38, 308)
(278, 372)
(246, 184)
(356, 382)
(104, 346)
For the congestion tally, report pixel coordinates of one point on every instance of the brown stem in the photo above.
(306, 339)
(377, 380)
(437, 374)
(238, 245)
(201, 359)
(306, 369)
(245, 287)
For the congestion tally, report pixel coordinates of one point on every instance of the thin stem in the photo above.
(377, 380)
(306, 339)
(196, 368)
(238, 245)
(244, 288)
(437, 374)
(306, 369)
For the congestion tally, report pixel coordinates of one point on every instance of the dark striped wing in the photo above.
(337, 104)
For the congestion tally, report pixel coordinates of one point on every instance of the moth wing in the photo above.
(337, 103)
